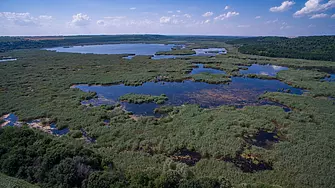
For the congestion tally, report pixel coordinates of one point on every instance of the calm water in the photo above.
(138, 49)
(199, 52)
(269, 70)
(330, 79)
(12, 120)
(5, 60)
(240, 92)
(200, 69)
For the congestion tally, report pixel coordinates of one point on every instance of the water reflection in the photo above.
(269, 70)
(43, 125)
(137, 49)
(5, 60)
(331, 78)
(200, 69)
(198, 52)
(10, 120)
(240, 92)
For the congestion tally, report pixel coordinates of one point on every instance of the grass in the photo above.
(140, 99)
(211, 78)
(177, 52)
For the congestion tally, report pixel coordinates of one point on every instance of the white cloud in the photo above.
(114, 18)
(45, 17)
(226, 7)
(333, 16)
(271, 21)
(227, 15)
(80, 20)
(113, 21)
(132, 8)
(164, 19)
(258, 17)
(243, 26)
(170, 12)
(207, 21)
(312, 6)
(208, 14)
(24, 19)
(285, 26)
(322, 15)
(101, 22)
(311, 26)
(179, 11)
(283, 7)
(187, 15)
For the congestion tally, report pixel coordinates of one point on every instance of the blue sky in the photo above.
(187, 17)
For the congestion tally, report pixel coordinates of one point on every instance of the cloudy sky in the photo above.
(191, 17)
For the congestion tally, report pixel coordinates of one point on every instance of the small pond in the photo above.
(5, 60)
(200, 69)
(331, 78)
(198, 52)
(240, 92)
(12, 120)
(269, 70)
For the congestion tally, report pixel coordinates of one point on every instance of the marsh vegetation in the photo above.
(231, 144)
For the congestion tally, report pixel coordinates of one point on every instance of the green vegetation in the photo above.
(314, 47)
(211, 78)
(9, 182)
(141, 152)
(177, 52)
(139, 99)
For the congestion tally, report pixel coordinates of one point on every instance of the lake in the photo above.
(240, 92)
(137, 49)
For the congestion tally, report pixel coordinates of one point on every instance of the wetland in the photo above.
(232, 119)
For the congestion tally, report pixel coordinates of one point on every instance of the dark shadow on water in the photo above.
(248, 163)
(262, 138)
(186, 156)
(58, 132)
(87, 137)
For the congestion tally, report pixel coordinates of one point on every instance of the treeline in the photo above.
(13, 43)
(313, 48)
(40, 159)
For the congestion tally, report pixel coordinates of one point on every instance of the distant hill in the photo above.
(9, 182)
(313, 47)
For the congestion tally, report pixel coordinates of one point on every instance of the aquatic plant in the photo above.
(139, 98)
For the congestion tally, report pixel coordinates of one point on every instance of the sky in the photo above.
(169, 17)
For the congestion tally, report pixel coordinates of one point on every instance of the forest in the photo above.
(188, 146)
(312, 47)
